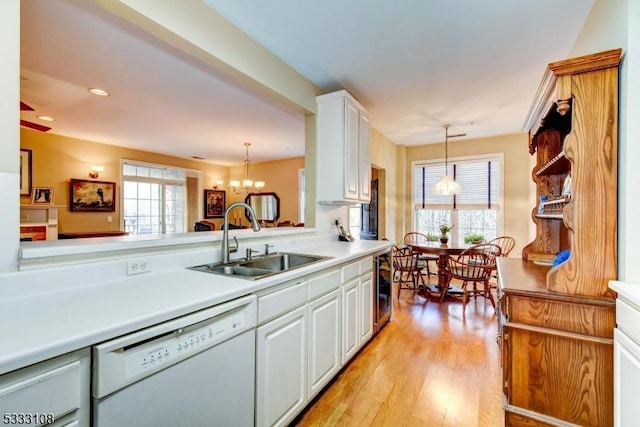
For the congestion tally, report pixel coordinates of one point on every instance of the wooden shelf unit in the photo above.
(556, 323)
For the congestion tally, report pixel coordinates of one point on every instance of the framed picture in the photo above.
(214, 203)
(42, 196)
(25, 172)
(92, 196)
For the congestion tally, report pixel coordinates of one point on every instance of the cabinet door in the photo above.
(351, 150)
(366, 308)
(53, 392)
(281, 367)
(364, 158)
(324, 341)
(626, 380)
(350, 319)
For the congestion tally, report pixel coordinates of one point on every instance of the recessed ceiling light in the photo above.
(46, 118)
(98, 91)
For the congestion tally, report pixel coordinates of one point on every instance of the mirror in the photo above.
(266, 206)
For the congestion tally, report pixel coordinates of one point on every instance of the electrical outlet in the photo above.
(138, 266)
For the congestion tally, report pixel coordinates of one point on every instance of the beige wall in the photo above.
(383, 158)
(281, 177)
(517, 177)
(57, 159)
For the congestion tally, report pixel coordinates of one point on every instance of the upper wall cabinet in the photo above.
(343, 149)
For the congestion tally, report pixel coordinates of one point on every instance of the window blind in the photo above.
(480, 180)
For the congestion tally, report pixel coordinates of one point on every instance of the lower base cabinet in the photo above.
(307, 332)
(54, 392)
(281, 355)
(324, 341)
(350, 319)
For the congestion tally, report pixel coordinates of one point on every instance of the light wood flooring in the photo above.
(431, 365)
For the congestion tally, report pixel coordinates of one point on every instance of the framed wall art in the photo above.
(25, 172)
(92, 196)
(214, 203)
(42, 196)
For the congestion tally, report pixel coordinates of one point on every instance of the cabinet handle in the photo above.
(505, 384)
(505, 336)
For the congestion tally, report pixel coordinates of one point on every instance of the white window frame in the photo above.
(188, 173)
(455, 238)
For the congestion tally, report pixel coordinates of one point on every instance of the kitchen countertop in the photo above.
(38, 327)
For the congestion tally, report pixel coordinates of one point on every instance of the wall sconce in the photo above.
(95, 169)
(218, 183)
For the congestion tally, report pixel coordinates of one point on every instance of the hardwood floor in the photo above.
(431, 365)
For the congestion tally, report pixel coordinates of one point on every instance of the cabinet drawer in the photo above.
(366, 265)
(322, 284)
(350, 271)
(55, 391)
(281, 301)
(628, 319)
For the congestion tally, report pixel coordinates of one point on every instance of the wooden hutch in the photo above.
(556, 323)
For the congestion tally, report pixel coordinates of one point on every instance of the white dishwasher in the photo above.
(197, 370)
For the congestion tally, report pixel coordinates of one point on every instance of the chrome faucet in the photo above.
(226, 250)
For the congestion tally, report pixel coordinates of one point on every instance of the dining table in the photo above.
(443, 251)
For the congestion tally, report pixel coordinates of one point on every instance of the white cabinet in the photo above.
(281, 368)
(324, 341)
(357, 306)
(54, 392)
(626, 359)
(366, 307)
(39, 222)
(343, 149)
(350, 319)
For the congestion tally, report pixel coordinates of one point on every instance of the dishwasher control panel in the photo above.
(185, 343)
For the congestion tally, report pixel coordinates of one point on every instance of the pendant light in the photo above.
(247, 184)
(447, 186)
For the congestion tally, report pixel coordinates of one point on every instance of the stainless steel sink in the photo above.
(282, 261)
(261, 267)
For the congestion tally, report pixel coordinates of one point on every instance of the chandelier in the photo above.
(447, 185)
(247, 184)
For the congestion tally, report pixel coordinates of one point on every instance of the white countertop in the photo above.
(41, 326)
(629, 292)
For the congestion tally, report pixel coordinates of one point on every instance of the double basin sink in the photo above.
(261, 267)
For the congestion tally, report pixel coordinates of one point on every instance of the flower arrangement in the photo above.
(445, 228)
(473, 238)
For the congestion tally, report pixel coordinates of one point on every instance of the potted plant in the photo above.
(431, 237)
(444, 229)
(473, 238)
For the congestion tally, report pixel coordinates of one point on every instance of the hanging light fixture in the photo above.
(247, 184)
(447, 185)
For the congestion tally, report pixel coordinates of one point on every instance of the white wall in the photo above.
(9, 133)
(613, 24)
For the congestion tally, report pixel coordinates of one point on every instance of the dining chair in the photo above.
(416, 238)
(475, 265)
(204, 226)
(406, 272)
(506, 244)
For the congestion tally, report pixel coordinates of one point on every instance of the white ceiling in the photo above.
(414, 64)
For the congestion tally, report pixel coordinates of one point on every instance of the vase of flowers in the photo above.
(444, 230)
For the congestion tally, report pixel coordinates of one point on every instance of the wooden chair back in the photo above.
(414, 237)
(506, 244)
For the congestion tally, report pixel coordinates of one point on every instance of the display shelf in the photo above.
(550, 216)
(556, 166)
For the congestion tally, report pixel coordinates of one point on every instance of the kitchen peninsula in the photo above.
(58, 306)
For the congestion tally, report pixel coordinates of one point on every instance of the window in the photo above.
(301, 200)
(355, 220)
(154, 198)
(477, 209)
